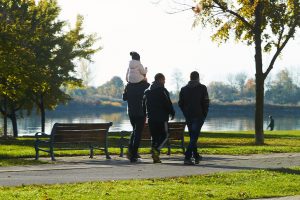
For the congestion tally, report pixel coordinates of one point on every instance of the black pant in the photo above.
(137, 123)
(159, 133)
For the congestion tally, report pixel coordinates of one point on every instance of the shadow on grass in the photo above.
(18, 141)
(114, 138)
(20, 161)
(286, 171)
(227, 135)
(29, 141)
(228, 145)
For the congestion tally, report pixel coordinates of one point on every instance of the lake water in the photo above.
(216, 121)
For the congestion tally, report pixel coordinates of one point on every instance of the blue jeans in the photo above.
(194, 127)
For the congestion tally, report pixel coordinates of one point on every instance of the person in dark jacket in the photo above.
(133, 94)
(271, 123)
(159, 108)
(194, 103)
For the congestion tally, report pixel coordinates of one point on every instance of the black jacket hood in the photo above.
(156, 85)
(193, 84)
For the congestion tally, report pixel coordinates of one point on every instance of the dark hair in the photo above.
(159, 76)
(135, 55)
(194, 76)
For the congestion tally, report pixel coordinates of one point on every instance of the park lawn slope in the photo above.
(235, 185)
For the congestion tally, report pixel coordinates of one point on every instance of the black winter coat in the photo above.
(133, 94)
(157, 103)
(193, 100)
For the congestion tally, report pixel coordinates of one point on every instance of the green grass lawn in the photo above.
(236, 185)
(13, 151)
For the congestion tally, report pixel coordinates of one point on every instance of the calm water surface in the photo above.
(30, 125)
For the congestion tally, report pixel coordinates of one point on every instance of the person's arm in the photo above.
(125, 94)
(205, 103)
(168, 103)
(127, 74)
(142, 69)
(181, 100)
(144, 104)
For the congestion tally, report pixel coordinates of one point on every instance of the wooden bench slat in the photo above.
(74, 133)
(175, 130)
(80, 132)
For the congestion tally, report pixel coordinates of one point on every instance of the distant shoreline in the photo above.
(214, 110)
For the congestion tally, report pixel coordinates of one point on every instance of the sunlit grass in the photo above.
(236, 185)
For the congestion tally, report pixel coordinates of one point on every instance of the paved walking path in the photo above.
(82, 169)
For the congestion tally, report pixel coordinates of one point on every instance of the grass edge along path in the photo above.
(235, 185)
(13, 151)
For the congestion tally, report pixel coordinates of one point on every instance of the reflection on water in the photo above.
(30, 125)
(114, 117)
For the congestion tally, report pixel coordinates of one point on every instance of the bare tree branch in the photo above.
(280, 48)
(183, 7)
(179, 11)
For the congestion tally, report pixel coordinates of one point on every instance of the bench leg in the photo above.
(52, 157)
(106, 153)
(36, 151)
(106, 147)
(91, 152)
(169, 148)
(122, 139)
(52, 153)
(182, 146)
(122, 151)
(183, 150)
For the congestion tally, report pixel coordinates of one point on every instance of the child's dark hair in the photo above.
(135, 55)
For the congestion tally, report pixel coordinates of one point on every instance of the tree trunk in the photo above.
(5, 118)
(13, 118)
(42, 107)
(259, 110)
(259, 77)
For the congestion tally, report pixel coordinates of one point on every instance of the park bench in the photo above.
(175, 139)
(73, 136)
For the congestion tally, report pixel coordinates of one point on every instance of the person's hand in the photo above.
(172, 116)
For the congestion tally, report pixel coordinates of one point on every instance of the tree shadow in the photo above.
(227, 135)
(18, 142)
(286, 171)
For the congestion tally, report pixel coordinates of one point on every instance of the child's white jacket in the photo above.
(135, 72)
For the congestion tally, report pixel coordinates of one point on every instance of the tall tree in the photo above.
(249, 89)
(283, 90)
(178, 80)
(15, 57)
(84, 72)
(221, 92)
(38, 55)
(267, 25)
(112, 88)
(240, 80)
(56, 52)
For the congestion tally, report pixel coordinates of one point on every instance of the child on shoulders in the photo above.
(136, 72)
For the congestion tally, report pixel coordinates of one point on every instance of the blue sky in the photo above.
(165, 42)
